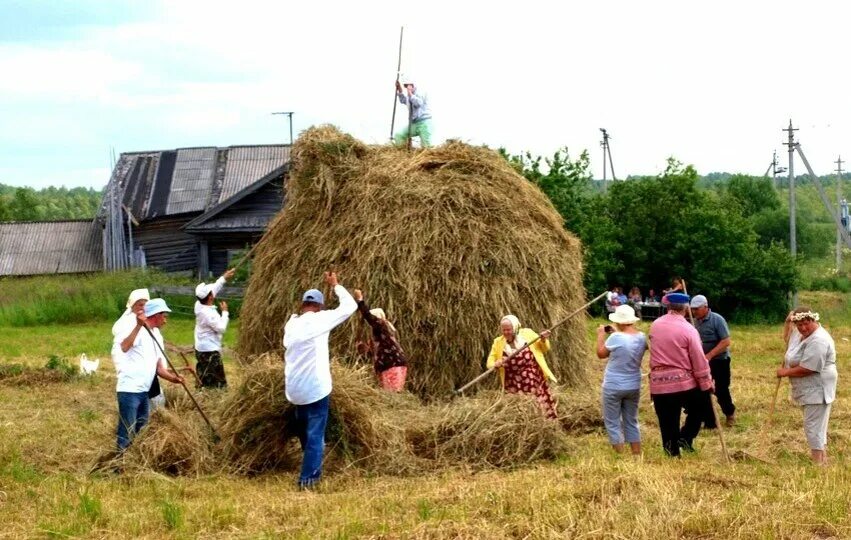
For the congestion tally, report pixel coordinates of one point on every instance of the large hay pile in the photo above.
(447, 240)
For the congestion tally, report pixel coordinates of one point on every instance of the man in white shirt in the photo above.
(209, 329)
(141, 362)
(307, 371)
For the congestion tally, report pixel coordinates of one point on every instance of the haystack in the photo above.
(257, 420)
(447, 240)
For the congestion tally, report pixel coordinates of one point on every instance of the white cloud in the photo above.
(709, 83)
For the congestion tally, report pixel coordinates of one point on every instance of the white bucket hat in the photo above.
(624, 315)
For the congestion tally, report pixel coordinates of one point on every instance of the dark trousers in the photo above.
(132, 416)
(210, 369)
(310, 422)
(720, 368)
(669, 408)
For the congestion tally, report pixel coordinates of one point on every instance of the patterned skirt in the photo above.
(523, 375)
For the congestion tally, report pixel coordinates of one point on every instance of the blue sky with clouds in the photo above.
(711, 84)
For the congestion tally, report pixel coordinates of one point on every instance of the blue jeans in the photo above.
(132, 416)
(620, 414)
(311, 420)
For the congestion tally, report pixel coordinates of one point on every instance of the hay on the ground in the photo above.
(257, 420)
(368, 428)
(447, 240)
(175, 443)
(489, 430)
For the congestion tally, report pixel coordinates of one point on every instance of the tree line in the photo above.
(48, 204)
(728, 237)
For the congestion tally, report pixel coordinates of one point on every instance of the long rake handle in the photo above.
(395, 97)
(524, 347)
(183, 384)
(711, 395)
(186, 361)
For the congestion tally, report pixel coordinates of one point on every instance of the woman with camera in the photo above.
(625, 349)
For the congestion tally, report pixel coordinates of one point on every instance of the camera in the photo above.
(608, 329)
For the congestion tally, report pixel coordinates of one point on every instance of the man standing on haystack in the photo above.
(419, 114)
(209, 329)
(307, 371)
(679, 376)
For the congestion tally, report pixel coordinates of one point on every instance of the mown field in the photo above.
(52, 432)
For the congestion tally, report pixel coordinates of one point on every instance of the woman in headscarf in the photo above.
(811, 368)
(389, 359)
(527, 371)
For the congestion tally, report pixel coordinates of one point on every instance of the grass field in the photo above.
(51, 434)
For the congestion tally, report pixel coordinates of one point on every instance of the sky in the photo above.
(710, 83)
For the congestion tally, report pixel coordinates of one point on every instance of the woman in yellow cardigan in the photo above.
(527, 372)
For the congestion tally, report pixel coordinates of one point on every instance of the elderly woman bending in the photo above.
(526, 372)
(811, 368)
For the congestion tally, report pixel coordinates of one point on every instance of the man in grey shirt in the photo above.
(715, 336)
(420, 115)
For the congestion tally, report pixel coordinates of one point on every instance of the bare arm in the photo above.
(602, 351)
(722, 345)
(796, 371)
(127, 343)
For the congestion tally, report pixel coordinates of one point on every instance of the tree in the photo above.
(648, 230)
(24, 205)
(566, 182)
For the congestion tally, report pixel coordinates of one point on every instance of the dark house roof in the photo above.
(50, 247)
(187, 180)
(248, 210)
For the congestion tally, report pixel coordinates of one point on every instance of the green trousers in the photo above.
(421, 129)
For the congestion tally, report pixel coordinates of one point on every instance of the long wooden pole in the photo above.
(523, 348)
(711, 400)
(186, 361)
(395, 97)
(183, 384)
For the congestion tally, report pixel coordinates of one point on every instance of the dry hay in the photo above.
(257, 422)
(175, 443)
(17, 375)
(369, 429)
(447, 240)
(490, 430)
(579, 409)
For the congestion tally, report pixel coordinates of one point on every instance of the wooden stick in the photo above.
(186, 361)
(523, 348)
(247, 255)
(183, 384)
(395, 97)
(711, 394)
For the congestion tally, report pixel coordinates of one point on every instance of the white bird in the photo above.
(87, 367)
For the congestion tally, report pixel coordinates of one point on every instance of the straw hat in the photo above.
(624, 315)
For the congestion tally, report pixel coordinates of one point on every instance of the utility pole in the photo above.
(290, 115)
(793, 243)
(774, 169)
(607, 152)
(839, 210)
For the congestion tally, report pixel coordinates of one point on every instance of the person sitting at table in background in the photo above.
(621, 296)
(612, 300)
(651, 297)
(634, 300)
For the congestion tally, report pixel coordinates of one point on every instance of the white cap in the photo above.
(136, 295)
(202, 290)
(699, 301)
